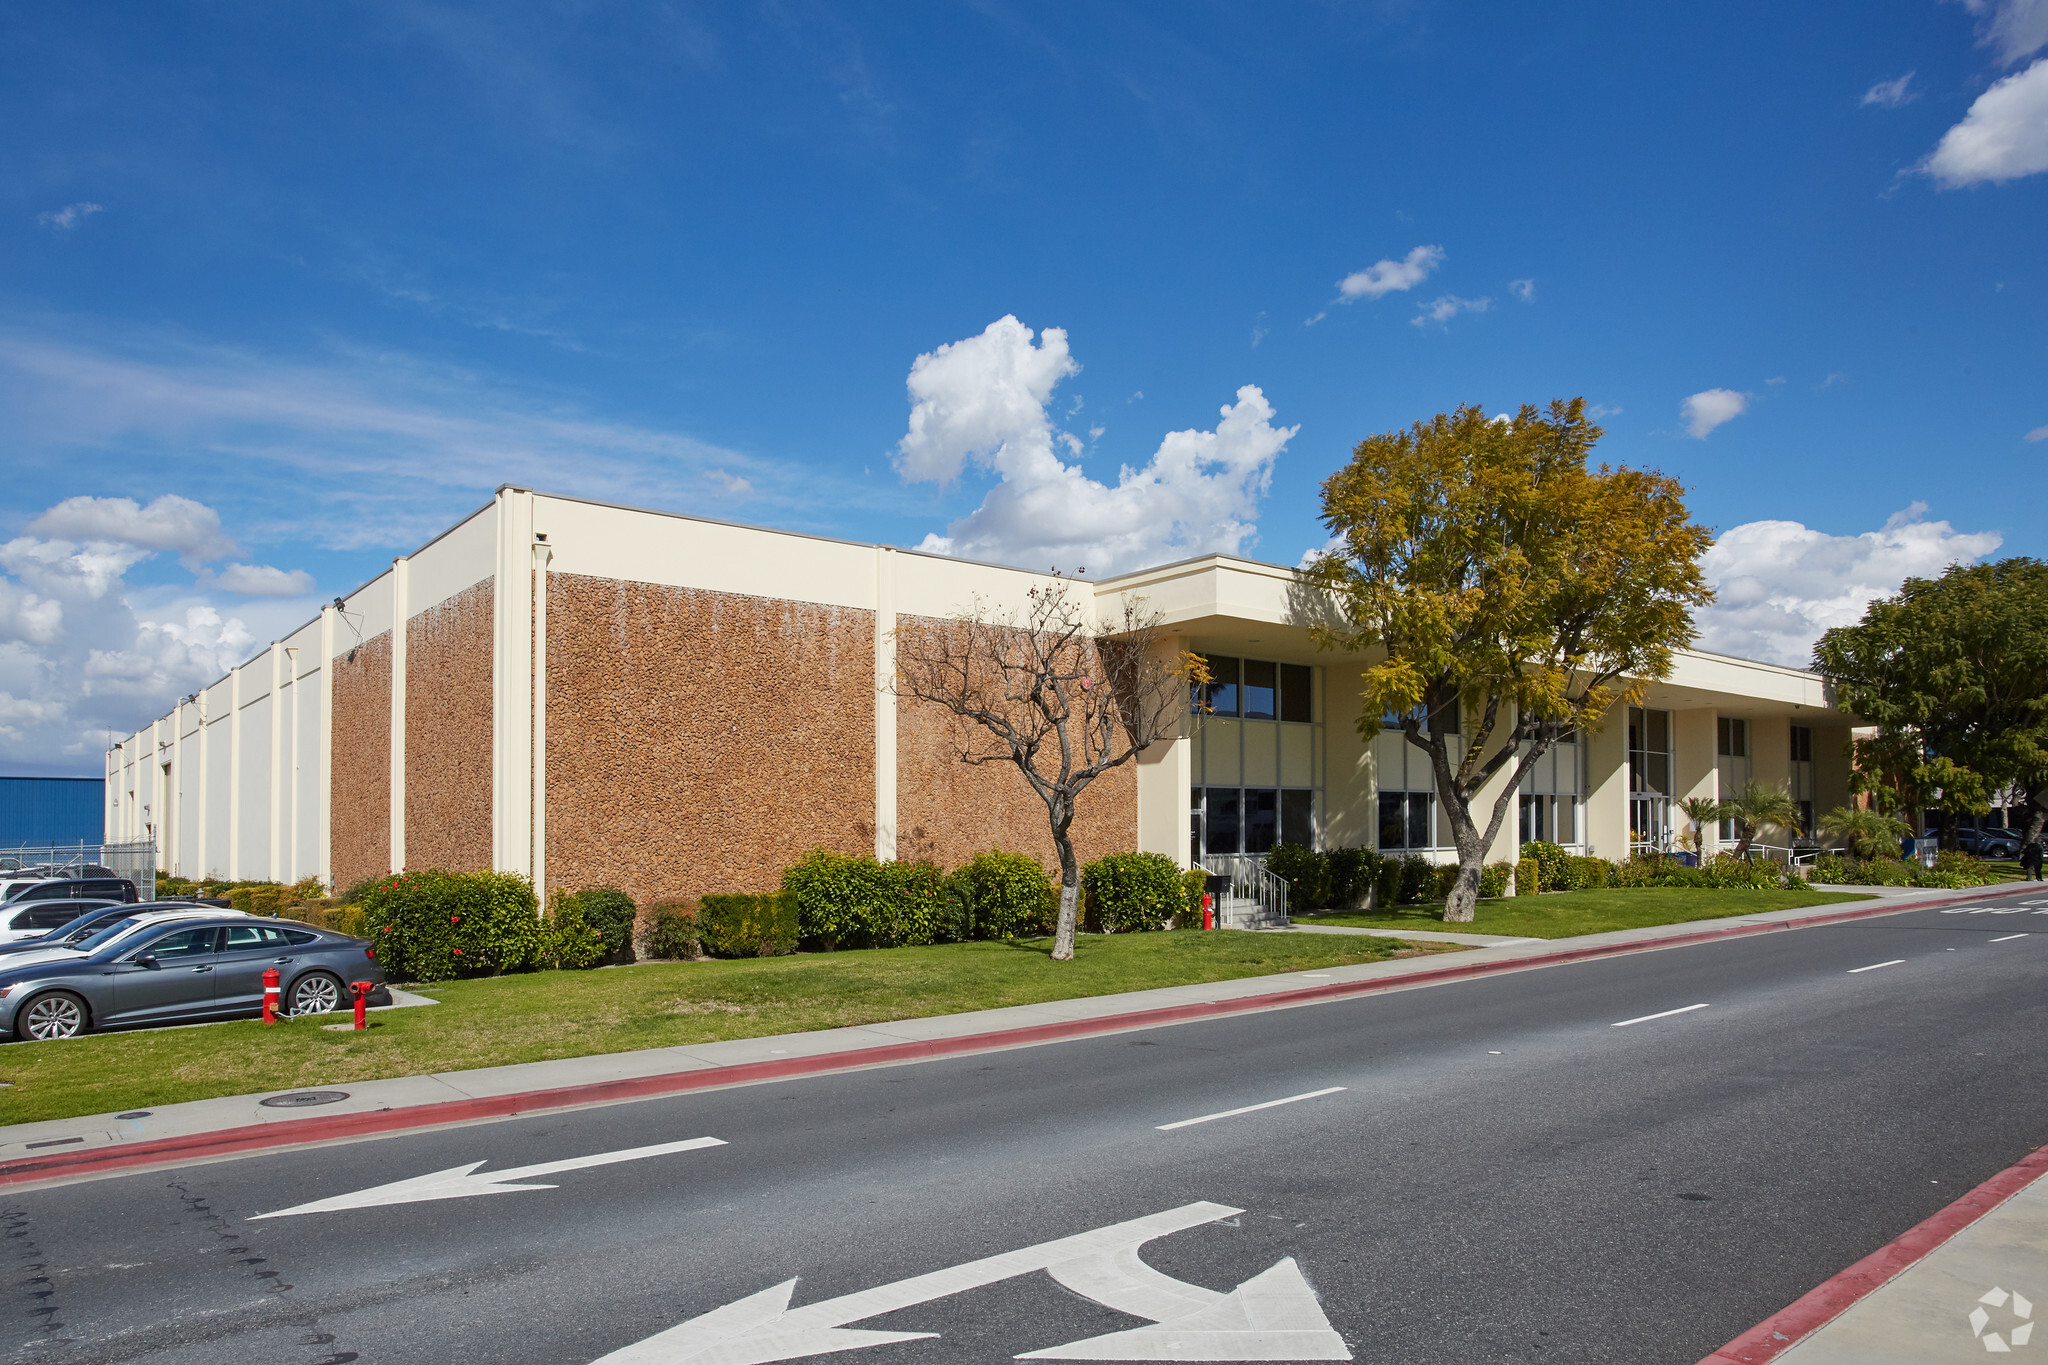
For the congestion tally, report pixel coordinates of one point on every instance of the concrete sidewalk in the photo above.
(1969, 1282)
(40, 1151)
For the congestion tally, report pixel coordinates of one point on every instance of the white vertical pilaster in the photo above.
(885, 702)
(401, 602)
(512, 733)
(323, 842)
(286, 855)
(235, 773)
(167, 821)
(202, 829)
(542, 555)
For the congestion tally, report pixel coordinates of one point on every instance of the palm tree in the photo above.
(1870, 834)
(1701, 811)
(1757, 806)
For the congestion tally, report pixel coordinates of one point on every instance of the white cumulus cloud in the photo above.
(85, 652)
(1779, 584)
(1709, 408)
(1441, 309)
(191, 529)
(2003, 137)
(983, 400)
(2037, 434)
(1387, 275)
(1525, 290)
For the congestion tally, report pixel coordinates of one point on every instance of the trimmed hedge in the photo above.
(611, 914)
(1194, 884)
(1131, 892)
(1306, 872)
(1528, 877)
(1004, 895)
(434, 925)
(1551, 863)
(569, 941)
(843, 901)
(1353, 872)
(747, 926)
(1951, 870)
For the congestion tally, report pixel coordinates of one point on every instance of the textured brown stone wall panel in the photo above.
(702, 741)
(361, 781)
(948, 811)
(448, 733)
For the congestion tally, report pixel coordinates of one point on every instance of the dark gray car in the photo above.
(129, 976)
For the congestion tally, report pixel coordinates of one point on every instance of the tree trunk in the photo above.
(1462, 905)
(1070, 898)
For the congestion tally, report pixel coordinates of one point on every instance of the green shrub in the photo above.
(1306, 873)
(672, 931)
(569, 941)
(358, 889)
(1388, 879)
(1194, 884)
(1553, 864)
(1130, 892)
(1590, 873)
(1004, 894)
(914, 897)
(1493, 880)
(433, 925)
(1528, 877)
(846, 901)
(1353, 872)
(1952, 871)
(747, 926)
(611, 914)
(1418, 878)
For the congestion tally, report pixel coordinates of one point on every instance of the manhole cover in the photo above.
(303, 1098)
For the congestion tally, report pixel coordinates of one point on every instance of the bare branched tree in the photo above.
(1060, 696)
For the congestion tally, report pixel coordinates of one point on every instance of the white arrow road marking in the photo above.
(462, 1182)
(1273, 1316)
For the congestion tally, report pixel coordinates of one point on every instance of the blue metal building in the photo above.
(52, 810)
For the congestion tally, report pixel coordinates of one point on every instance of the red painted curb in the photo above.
(1787, 1328)
(312, 1129)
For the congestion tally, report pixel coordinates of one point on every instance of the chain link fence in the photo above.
(135, 860)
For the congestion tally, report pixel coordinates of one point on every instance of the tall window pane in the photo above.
(1261, 819)
(1222, 689)
(1221, 805)
(1297, 818)
(1261, 689)
(1393, 820)
(1567, 820)
(1419, 807)
(1296, 692)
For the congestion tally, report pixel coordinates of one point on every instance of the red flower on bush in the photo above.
(458, 952)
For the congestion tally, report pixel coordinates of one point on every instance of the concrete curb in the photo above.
(86, 1163)
(1812, 1311)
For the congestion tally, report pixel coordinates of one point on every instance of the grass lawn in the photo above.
(1590, 912)
(544, 1015)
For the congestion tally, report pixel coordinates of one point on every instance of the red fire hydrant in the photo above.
(270, 980)
(1208, 918)
(362, 990)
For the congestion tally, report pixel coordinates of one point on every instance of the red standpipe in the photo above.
(362, 990)
(1208, 918)
(270, 980)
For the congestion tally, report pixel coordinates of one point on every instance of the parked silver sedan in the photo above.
(158, 972)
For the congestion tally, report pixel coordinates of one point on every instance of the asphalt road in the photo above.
(1505, 1177)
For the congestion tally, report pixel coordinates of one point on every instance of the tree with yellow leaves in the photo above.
(1488, 572)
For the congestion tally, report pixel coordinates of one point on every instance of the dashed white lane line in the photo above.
(2008, 938)
(1665, 1015)
(1249, 1109)
(1875, 965)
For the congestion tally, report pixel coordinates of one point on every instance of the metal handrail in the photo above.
(1253, 880)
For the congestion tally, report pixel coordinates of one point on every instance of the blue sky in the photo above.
(303, 284)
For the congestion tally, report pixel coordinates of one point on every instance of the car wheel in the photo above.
(315, 993)
(59, 1014)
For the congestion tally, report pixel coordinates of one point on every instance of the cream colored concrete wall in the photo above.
(1606, 809)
